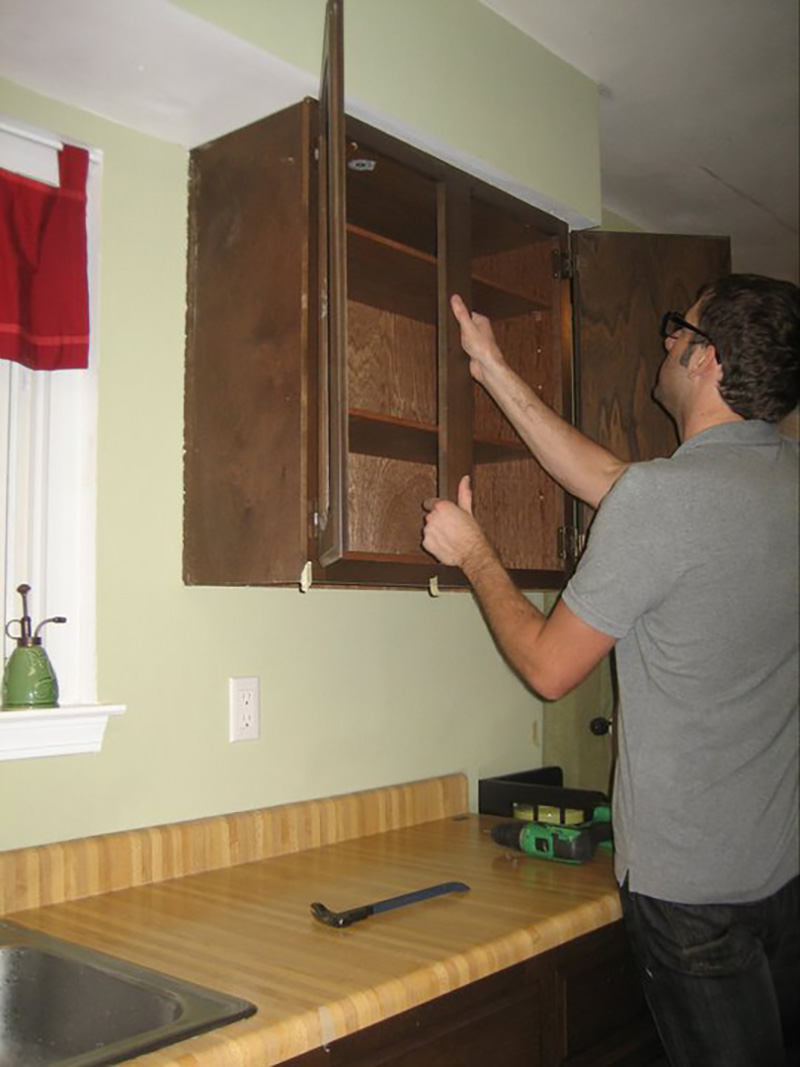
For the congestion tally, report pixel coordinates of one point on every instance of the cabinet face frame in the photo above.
(455, 191)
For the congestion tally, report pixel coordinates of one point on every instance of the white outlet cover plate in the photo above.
(244, 709)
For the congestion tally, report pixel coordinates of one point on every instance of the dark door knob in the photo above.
(600, 726)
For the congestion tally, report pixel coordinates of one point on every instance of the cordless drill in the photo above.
(554, 841)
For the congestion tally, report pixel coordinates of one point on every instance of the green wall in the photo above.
(453, 73)
(616, 223)
(358, 688)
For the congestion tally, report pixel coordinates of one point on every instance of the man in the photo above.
(691, 573)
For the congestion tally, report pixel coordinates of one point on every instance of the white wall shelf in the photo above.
(62, 731)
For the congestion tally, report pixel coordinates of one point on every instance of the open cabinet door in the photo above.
(622, 285)
(333, 406)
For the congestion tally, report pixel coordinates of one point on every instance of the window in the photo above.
(48, 426)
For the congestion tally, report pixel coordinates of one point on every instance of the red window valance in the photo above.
(44, 292)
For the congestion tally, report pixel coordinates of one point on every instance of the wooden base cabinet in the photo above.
(600, 1015)
(577, 1006)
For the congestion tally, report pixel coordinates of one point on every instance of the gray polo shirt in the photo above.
(692, 564)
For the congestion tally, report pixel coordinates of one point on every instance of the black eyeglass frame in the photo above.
(680, 324)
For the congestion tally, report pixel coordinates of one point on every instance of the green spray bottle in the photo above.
(29, 680)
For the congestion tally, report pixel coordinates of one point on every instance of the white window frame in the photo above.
(48, 461)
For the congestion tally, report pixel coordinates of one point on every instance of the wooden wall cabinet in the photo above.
(579, 1005)
(327, 395)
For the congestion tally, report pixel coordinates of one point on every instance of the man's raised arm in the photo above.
(579, 465)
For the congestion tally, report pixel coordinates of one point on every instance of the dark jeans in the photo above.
(722, 980)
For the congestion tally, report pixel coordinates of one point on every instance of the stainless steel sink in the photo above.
(62, 1005)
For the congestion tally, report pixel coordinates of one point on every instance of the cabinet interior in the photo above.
(393, 236)
(392, 307)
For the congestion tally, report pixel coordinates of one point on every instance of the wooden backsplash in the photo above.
(70, 870)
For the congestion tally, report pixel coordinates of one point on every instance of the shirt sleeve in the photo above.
(630, 563)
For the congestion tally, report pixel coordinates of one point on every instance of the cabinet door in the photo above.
(623, 283)
(331, 303)
(602, 1018)
(380, 444)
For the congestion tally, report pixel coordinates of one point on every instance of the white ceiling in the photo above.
(698, 111)
(146, 64)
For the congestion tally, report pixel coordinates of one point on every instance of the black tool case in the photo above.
(539, 788)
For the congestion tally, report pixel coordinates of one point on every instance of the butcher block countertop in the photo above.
(247, 929)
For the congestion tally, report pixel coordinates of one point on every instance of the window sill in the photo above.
(54, 731)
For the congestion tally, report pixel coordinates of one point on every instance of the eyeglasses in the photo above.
(673, 323)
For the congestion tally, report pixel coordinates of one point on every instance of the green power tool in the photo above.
(574, 843)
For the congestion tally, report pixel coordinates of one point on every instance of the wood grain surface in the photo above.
(248, 930)
(385, 504)
(625, 282)
(69, 870)
(391, 364)
(247, 399)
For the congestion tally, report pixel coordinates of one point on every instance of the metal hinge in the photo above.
(562, 263)
(570, 542)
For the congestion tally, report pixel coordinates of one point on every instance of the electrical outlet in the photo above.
(244, 709)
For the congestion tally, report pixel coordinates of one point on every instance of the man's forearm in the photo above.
(514, 621)
(581, 466)
(551, 654)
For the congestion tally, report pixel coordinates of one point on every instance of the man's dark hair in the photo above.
(755, 325)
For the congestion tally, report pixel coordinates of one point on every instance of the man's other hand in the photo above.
(451, 534)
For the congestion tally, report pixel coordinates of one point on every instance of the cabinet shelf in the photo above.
(496, 450)
(387, 436)
(393, 438)
(386, 274)
(498, 302)
(389, 557)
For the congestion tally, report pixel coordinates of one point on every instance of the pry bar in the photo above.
(352, 915)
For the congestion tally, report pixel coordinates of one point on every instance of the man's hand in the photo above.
(477, 339)
(451, 534)
(550, 655)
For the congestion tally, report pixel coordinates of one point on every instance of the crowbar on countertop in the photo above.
(352, 915)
